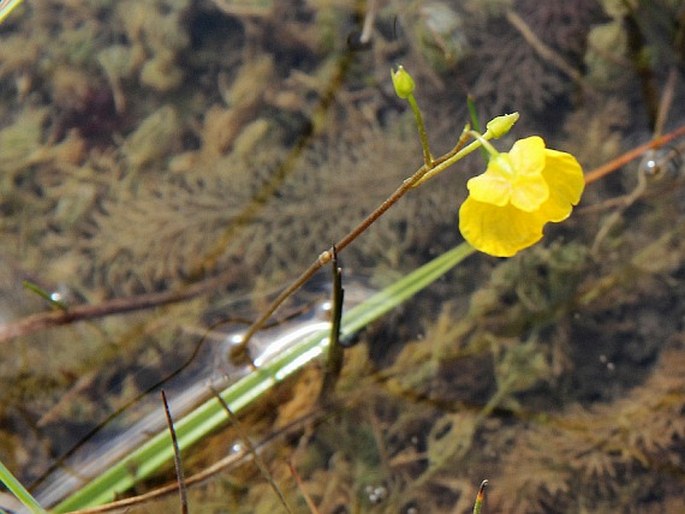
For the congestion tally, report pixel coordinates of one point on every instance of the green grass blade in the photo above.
(7, 6)
(393, 295)
(18, 490)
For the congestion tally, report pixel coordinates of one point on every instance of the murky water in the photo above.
(165, 166)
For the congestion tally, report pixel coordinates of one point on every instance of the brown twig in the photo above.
(264, 470)
(666, 101)
(54, 318)
(180, 479)
(300, 485)
(636, 152)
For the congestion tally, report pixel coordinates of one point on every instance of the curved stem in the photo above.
(454, 156)
(423, 136)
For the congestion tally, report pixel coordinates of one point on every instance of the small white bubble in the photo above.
(376, 494)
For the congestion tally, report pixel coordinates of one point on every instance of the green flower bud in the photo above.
(500, 125)
(402, 82)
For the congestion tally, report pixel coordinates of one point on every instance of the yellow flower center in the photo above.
(514, 177)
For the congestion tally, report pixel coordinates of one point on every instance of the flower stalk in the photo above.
(404, 86)
(496, 128)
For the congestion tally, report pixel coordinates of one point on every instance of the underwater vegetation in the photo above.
(146, 146)
(544, 42)
(602, 450)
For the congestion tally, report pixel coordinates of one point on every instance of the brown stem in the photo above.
(239, 353)
(55, 318)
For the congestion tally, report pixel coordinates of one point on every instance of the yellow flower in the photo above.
(519, 192)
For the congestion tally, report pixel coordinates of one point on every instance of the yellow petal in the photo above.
(566, 182)
(528, 156)
(529, 193)
(498, 231)
(490, 187)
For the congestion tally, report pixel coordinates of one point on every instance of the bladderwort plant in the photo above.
(507, 208)
(508, 205)
(530, 184)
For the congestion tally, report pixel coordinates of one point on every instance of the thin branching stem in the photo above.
(455, 155)
(180, 477)
(252, 451)
(240, 353)
(423, 135)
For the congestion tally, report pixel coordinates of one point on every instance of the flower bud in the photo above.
(402, 82)
(500, 125)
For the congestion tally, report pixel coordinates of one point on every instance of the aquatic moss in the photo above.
(500, 48)
(589, 450)
(165, 230)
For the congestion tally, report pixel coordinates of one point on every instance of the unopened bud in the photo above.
(402, 82)
(500, 125)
